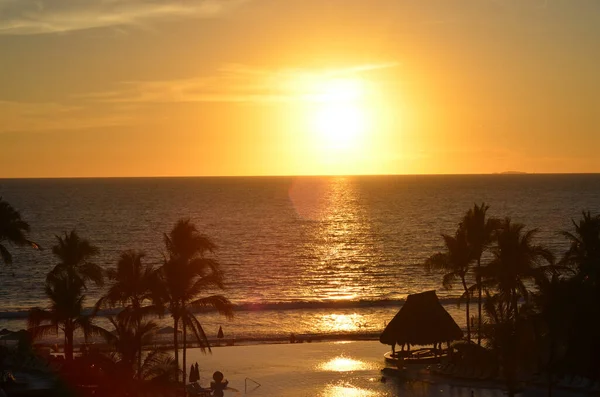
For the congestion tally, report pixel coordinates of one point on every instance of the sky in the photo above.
(271, 87)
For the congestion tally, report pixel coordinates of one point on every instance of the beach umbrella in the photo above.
(197, 372)
(220, 334)
(192, 374)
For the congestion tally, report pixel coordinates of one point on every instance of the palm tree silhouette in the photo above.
(125, 375)
(515, 260)
(480, 234)
(511, 338)
(131, 288)
(65, 287)
(74, 253)
(455, 263)
(65, 312)
(185, 274)
(13, 229)
(584, 251)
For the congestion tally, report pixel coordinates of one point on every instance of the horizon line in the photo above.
(505, 173)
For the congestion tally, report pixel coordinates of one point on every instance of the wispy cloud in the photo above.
(235, 83)
(52, 16)
(49, 116)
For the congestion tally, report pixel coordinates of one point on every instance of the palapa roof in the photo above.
(422, 320)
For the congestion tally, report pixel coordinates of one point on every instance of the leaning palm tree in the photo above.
(64, 313)
(131, 288)
(480, 233)
(186, 273)
(454, 262)
(515, 261)
(13, 230)
(74, 255)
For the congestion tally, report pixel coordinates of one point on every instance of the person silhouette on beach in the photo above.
(218, 385)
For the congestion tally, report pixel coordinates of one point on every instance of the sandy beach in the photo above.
(328, 369)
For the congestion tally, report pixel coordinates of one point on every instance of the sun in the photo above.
(339, 119)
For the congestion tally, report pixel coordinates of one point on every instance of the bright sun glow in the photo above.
(339, 117)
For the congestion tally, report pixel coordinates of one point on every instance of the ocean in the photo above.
(314, 256)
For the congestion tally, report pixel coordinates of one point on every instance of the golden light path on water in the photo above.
(345, 240)
(347, 391)
(336, 323)
(345, 364)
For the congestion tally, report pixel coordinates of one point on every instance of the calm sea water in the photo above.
(316, 255)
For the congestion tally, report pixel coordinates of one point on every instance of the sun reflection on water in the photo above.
(344, 364)
(341, 323)
(347, 391)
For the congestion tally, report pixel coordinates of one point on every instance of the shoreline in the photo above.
(217, 343)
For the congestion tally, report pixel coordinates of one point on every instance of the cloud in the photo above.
(48, 116)
(25, 17)
(235, 83)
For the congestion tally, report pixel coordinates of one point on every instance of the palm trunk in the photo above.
(139, 358)
(138, 322)
(69, 342)
(550, 368)
(175, 344)
(184, 353)
(464, 283)
(479, 301)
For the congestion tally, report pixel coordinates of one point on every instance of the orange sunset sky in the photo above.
(286, 87)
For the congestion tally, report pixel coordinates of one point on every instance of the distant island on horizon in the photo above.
(510, 173)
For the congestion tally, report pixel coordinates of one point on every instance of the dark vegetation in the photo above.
(538, 314)
(139, 291)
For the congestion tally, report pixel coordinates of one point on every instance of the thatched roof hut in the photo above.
(421, 321)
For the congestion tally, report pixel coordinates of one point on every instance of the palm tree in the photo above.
(583, 256)
(185, 274)
(584, 251)
(65, 286)
(556, 302)
(515, 260)
(455, 264)
(126, 339)
(510, 337)
(13, 229)
(65, 312)
(74, 253)
(131, 288)
(480, 234)
(124, 375)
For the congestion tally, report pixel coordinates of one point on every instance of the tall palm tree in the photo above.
(13, 230)
(480, 233)
(515, 260)
(64, 313)
(65, 287)
(584, 251)
(74, 255)
(186, 273)
(454, 262)
(131, 288)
